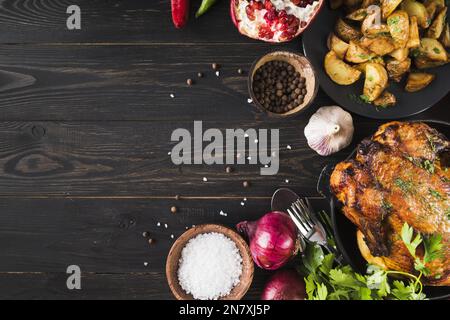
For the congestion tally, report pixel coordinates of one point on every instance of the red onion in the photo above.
(285, 285)
(273, 239)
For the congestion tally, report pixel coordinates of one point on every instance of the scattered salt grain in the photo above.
(205, 179)
(242, 203)
(172, 236)
(169, 153)
(210, 266)
(249, 100)
(145, 264)
(223, 213)
(166, 226)
(245, 199)
(159, 224)
(172, 95)
(288, 147)
(217, 73)
(287, 180)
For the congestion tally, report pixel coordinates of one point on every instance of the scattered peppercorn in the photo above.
(240, 71)
(151, 241)
(215, 66)
(189, 82)
(229, 169)
(145, 234)
(246, 184)
(278, 87)
(177, 197)
(174, 209)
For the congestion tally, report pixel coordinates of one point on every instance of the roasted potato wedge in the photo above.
(385, 100)
(432, 49)
(414, 39)
(418, 81)
(381, 45)
(334, 4)
(388, 6)
(346, 32)
(417, 9)
(357, 54)
(337, 45)
(339, 71)
(433, 6)
(398, 23)
(362, 66)
(357, 15)
(424, 63)
(396, 69)
(370, 25)
(445, 36)
(376, 81)
(438, 24)
(400, 54)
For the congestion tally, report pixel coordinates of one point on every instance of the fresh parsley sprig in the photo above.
(326, 282)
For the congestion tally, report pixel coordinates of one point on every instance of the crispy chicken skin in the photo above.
(399, 175)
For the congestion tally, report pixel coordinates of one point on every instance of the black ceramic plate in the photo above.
(315, 48)
(345, 231)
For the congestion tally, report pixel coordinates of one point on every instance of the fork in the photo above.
(309, 226)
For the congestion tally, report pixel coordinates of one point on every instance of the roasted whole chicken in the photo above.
(399, 175)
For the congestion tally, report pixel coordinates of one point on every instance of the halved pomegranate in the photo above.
(273, 20)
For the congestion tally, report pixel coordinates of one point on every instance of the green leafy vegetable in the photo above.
(433, 247)
(324, 281)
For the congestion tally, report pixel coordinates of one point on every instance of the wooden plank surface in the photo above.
(112, 21)
(70, 159)
(39, 239)
(85, 127)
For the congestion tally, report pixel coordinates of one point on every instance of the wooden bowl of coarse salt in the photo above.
(209, 262)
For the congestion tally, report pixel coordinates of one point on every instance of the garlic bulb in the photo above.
(329, 130)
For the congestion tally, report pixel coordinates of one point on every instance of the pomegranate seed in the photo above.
(258, 5)
(250, 12)
(303, 24)
(268, 5)
(282, 14)
(296, 2)
(294, 23)
(270, 16)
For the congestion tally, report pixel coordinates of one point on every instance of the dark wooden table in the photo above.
(85, 129)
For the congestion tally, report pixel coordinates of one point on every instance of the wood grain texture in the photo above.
(69, 159)
(40, 238)
(85, 127)
(106, 21)
(66, 82)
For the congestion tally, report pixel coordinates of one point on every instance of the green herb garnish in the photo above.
(325, 282)
(432, 244)
(428, 165)
(435, 194)
(436, 50)
(405, 186)
(359, 99)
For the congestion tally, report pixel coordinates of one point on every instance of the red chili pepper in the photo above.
(180, 12)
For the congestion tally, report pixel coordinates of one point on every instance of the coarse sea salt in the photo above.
(210, 266)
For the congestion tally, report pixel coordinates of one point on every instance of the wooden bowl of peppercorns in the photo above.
(282, 83)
